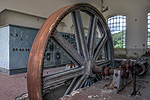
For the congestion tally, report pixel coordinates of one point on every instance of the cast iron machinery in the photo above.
(91, 50)
(91, 56)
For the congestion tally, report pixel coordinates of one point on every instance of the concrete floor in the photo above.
(97, 91)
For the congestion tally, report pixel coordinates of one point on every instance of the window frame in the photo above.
(118, 25)
(148, 28)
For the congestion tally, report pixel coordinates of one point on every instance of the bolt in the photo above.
(106, 85)
(115, 87)
(116, 74)
(143, 86)
(87, 76)
(139, 93)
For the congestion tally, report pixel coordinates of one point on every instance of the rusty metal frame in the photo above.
(81, 57)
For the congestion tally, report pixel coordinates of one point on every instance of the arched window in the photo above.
(148, 30)
(117, 25)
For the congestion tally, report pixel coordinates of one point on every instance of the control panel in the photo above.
(21, 39)
(54, 56)
(16, 43)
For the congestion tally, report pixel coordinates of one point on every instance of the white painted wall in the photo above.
(34, 12)
(20, 19)
(42, 8)
(134, 10)
(136, 36)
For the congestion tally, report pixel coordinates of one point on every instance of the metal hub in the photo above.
(88, 69)
(94, 48)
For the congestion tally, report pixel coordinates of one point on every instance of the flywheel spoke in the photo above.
(89, 53)
(79, 82)
(102, 63)
(99, 46)
(79, 31)
(69, 90)
(62, 76)
(91, 38)
(108, 50)
(67, 48)
(77, 37)
(76, 83)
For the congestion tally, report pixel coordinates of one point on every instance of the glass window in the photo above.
(148, 30)
(117, 25)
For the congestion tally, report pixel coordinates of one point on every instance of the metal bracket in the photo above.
(117, 82)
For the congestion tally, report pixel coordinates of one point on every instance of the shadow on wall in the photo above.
(121, 53)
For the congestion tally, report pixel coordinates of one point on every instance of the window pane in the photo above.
(148, 26)
(149, 21)
(148, 30)
(117, 25)
(148, 16)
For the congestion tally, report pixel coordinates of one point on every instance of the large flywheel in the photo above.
(93, 48)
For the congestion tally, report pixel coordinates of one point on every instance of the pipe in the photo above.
(98, 70)
(141, 66)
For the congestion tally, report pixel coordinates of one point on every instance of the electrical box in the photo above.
(16, 43)
(54, 56)
(15, 46)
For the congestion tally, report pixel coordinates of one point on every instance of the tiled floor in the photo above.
(12, 86)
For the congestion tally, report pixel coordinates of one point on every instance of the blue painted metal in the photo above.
(16, 43)
(54, 56)
(4, 48)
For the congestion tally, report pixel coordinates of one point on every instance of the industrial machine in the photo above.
(54, 56)
(87, 54)
(16, 43)
(91, 56)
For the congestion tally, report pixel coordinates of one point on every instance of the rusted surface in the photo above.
(98, 92)
(147, 54)
(107, 71)
(34, 76)
(96, 70)
(39, 47)
(35, 63)
(125, 66)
